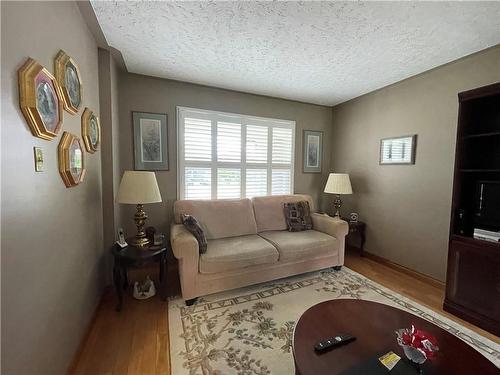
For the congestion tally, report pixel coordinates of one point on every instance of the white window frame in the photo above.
(244, 120)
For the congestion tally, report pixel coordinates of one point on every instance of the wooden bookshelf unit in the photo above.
(473, 275)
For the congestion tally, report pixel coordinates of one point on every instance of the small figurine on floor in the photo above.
(144, 290)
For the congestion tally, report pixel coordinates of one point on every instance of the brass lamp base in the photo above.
(337, 203)
(140, 239)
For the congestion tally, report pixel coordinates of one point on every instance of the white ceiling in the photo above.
(316, 52)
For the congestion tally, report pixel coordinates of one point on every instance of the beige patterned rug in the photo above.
(248, 331)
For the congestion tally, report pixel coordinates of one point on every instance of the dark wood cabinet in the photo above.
(473, 275)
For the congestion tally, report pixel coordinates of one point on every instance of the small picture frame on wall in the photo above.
(150, 141)
(313, 151)
(398, 150)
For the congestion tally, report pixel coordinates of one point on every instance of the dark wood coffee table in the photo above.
(373, 324)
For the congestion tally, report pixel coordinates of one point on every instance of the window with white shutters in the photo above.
(228, 156)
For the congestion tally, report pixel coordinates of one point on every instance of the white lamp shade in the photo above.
(338, 183)
(138, 188)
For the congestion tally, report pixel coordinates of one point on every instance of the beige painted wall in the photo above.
(147, 94)
(52, 271)
(407, 208)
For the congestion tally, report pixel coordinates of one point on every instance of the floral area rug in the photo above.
(248, 331)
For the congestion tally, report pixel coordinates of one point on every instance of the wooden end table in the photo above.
(132, 256)
(356, 235)
(374, 325)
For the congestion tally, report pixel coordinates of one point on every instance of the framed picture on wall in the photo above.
(150, 141)
(313, 151)
(398, 150)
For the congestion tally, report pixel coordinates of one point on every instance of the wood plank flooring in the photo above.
(135, 341)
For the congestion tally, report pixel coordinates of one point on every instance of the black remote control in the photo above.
(333, 342)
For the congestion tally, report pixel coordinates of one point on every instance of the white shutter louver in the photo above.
(280, 182)
(198, 183)
(197, 139)
(282, 146)
(256, 182)
(256, 145)
(228, 183)
(228, 142)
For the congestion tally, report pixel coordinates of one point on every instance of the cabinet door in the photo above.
(473, 279)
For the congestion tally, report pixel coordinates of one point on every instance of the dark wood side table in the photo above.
(132, 256)
(356, 235)
(373, 324)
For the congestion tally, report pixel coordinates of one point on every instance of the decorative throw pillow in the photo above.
(298, 216)
(193, 226)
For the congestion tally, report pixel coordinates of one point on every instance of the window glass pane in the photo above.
(280, 182)
(228, 183)
(257, 144)
(256, 183)
(228, 142)
(198, 183)
(197, 139)
(282, 145)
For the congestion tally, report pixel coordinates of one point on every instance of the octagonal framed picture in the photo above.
(71, 160)
(40, 100)
(91, 130)
(68, 76)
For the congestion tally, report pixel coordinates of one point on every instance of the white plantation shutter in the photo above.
(256, 182)
(197, 139)
(282, 145)
(198, 183)
(257, 143)
(228, 156)
(280, 181)
(228, 142)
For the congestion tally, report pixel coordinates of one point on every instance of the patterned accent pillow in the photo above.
(298, 216)
(193, 226)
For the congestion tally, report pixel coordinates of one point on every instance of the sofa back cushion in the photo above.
(219, 218)
(269, 211)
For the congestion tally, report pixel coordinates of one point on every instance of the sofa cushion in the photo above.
(219, 218)
(194, 227)
(302, 245)
(269, 213)
(227, 254)
(298, 216)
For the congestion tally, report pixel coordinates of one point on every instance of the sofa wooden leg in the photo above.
(190, 302)
(337, 268)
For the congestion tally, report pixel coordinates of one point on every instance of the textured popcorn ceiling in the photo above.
(317, 52)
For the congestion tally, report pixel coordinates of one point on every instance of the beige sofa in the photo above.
(248, 243)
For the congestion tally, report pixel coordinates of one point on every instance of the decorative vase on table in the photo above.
(418, 345)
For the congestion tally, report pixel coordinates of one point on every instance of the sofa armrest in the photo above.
(185, 248)
(333, 226)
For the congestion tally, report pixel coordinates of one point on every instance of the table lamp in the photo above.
(338, 183)
(139, 188)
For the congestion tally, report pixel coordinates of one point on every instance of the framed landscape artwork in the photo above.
(150, 141)
(398, 150)
(313, 151)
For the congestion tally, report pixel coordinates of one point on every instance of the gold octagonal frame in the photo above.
(69, 78)
(71, 160)
(91, 130)
(40, 100)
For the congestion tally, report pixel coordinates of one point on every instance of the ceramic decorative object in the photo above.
(417, 345)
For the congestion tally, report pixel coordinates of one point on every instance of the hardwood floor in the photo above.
(135, 341)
